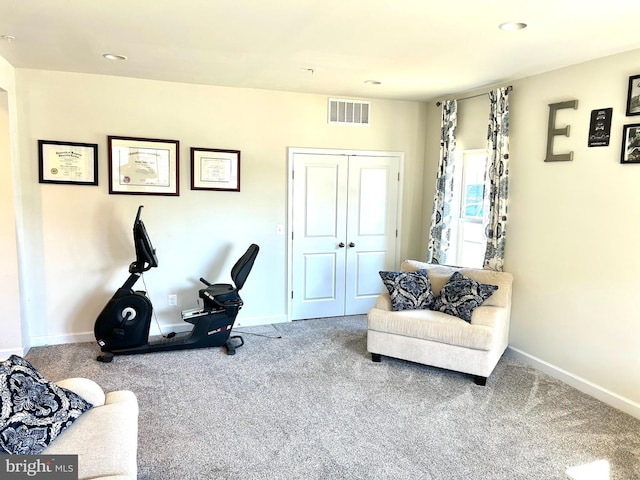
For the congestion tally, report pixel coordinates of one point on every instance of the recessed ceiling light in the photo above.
(511, 26)
(113, 56)
(372, 82)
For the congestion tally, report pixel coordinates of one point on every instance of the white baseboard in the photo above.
(7, 352)
(62, 339)
(607, 396)
(256, 321)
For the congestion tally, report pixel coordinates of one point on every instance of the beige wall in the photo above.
(79, 237)
(574, 230)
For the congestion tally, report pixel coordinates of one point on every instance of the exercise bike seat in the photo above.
(225, 295)
(221, 295)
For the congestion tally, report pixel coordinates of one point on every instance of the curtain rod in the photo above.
(509, 88)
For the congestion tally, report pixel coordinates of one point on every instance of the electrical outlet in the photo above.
(173, 300)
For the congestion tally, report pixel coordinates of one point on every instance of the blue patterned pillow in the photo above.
(408, 290)
(33, 411)
(461, 295)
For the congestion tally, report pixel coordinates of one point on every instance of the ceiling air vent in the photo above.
(352, 112)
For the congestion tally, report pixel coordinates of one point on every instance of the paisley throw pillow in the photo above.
(408, 290)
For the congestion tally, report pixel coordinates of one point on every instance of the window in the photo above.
(468, 236)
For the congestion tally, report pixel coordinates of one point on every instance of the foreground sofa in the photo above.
(105, 438)
(439, 339)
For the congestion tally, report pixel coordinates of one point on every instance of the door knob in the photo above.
(352, 244)
(341, 244)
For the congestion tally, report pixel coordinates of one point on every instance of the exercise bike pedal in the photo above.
(106, 357)
(231, 348)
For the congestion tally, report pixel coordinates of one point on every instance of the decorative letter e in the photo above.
(553, 131)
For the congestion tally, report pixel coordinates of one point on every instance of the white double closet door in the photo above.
(343, 231)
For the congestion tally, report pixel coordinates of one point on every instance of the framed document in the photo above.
(143, 166)
(68, 162)
(214, 169)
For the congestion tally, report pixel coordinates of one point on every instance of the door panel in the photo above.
(319, 282)
(321, 199)
(373, 202)
(367, 279)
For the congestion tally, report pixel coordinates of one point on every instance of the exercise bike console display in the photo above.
(122, 328)
(145, 253)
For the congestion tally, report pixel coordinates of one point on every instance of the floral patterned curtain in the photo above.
(496, 185)
(440, 232)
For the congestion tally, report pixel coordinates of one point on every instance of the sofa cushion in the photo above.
(461, 295)
(33, 411)
(440, 327)
(408, 290)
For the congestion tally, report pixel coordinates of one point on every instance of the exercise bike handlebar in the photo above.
(205, 282)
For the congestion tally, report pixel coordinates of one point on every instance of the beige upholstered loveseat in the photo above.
(439, 339)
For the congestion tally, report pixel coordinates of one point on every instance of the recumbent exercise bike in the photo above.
(122, 328)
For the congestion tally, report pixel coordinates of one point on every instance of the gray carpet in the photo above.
(312, 405)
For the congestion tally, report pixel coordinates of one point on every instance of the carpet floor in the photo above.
(303, 400)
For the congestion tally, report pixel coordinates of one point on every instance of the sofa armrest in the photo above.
(87, 389)
(105, 439)
(383, 302)
(121, 396)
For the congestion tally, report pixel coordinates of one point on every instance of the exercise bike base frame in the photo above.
(212, 329)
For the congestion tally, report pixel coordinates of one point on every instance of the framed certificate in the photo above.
(68, 162)
(215, 169)
(143, 166)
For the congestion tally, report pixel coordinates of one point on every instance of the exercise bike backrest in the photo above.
(145, 253)
(242, 267)
(225, 295)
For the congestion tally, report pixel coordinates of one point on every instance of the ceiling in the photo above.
(418, 49)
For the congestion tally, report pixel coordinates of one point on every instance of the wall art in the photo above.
(144, 166)
(215, 169)
(600, 127)
(633, 96)
(630, 143)
(68, 162)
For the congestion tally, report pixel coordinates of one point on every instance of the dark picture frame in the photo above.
(70, 163)
(630, 143)
(215, 169)
(143, 166)
(633, 96)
